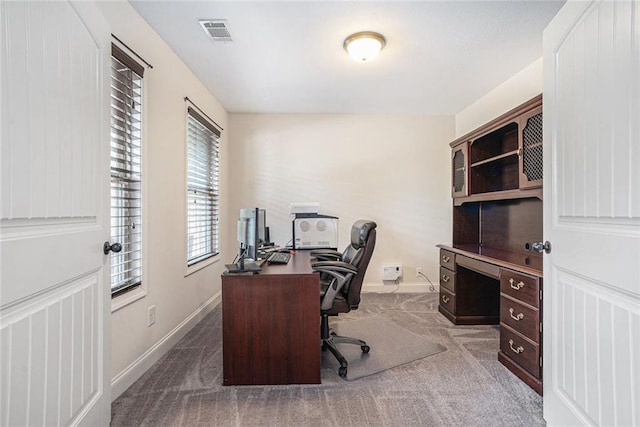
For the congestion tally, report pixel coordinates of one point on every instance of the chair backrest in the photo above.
(363, 240)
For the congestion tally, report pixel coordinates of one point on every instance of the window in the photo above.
(203, 144)
(126, 171)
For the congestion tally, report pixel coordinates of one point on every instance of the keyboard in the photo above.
(279, 258)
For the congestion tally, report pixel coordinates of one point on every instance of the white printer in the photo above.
(312, 230)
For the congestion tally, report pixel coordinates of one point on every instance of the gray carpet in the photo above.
(391, 346)
(462, 386)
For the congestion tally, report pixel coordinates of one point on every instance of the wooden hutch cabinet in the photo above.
(492, 273)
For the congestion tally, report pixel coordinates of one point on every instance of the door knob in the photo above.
(542, 247)
(116, 247)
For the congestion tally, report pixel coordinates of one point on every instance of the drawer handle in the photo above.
(445, 278)
(446, 258)
(518, 350)
(445, 299)
(517, 317)
(517, 286)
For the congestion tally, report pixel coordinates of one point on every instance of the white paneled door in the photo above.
(54, 214)
(592, 214)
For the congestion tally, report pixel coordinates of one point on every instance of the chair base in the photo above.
(329, 341)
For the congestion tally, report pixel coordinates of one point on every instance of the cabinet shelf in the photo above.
(496, 158)
(498, 174)
(499, 195)
(494, 143)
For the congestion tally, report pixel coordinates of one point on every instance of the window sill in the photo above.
(202, 264)
(127, 298)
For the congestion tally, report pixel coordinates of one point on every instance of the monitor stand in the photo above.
(243, 266)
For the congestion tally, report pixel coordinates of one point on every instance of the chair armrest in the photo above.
(341, 273)
(326, 254)
(334, 266)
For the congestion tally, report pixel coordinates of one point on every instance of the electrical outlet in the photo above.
(151, 315)
(418, 271)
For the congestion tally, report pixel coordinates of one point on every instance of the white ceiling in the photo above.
(287, 57)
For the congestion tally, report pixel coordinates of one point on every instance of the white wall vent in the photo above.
(216, 29)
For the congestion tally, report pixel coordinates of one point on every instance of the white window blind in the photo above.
(203, 145)
(126, 171)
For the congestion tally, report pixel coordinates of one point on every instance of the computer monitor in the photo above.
(263, 230)
(248, 232)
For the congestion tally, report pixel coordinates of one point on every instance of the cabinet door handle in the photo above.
(445, 278)
(516, 286)
(517, 317)
(446, 258)
(518, 350)
(445, 299)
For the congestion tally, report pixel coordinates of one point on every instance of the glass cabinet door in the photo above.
(531, 149)
(459, 187)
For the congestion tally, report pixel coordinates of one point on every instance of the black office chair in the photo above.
(342, 274)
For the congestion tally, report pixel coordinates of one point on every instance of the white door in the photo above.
(592, 214)
(54, 217)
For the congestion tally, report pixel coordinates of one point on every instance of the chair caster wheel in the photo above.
(365, 348)
(342, 371)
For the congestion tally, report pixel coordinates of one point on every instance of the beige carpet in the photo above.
(462, 386)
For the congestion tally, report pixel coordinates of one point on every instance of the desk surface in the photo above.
(529, 264)
(300, 263)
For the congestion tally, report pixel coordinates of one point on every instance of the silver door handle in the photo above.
(542, 247)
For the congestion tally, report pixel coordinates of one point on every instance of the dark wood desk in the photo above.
(488, 286)
(271, 325)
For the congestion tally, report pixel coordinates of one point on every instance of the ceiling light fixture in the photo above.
(364, 46)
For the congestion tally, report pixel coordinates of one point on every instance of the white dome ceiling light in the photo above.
(364, 46)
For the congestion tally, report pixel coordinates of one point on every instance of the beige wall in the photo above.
(513, 92)
(391, 169)
(175, 296)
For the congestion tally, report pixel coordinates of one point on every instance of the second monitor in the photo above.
(252, 232)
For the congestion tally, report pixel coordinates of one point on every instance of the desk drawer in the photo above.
(448, 279)
(521, 318)
(520, 286)
(522, 351)
(482, 267)
(448, 300)
(448, 259)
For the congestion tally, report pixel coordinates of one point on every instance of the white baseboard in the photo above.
(121, 382)
(402, 287)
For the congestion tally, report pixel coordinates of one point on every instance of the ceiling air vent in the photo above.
(216, 29)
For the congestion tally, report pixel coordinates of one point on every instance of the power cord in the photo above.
(397, 282)
(239, 255)
(432, 288)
